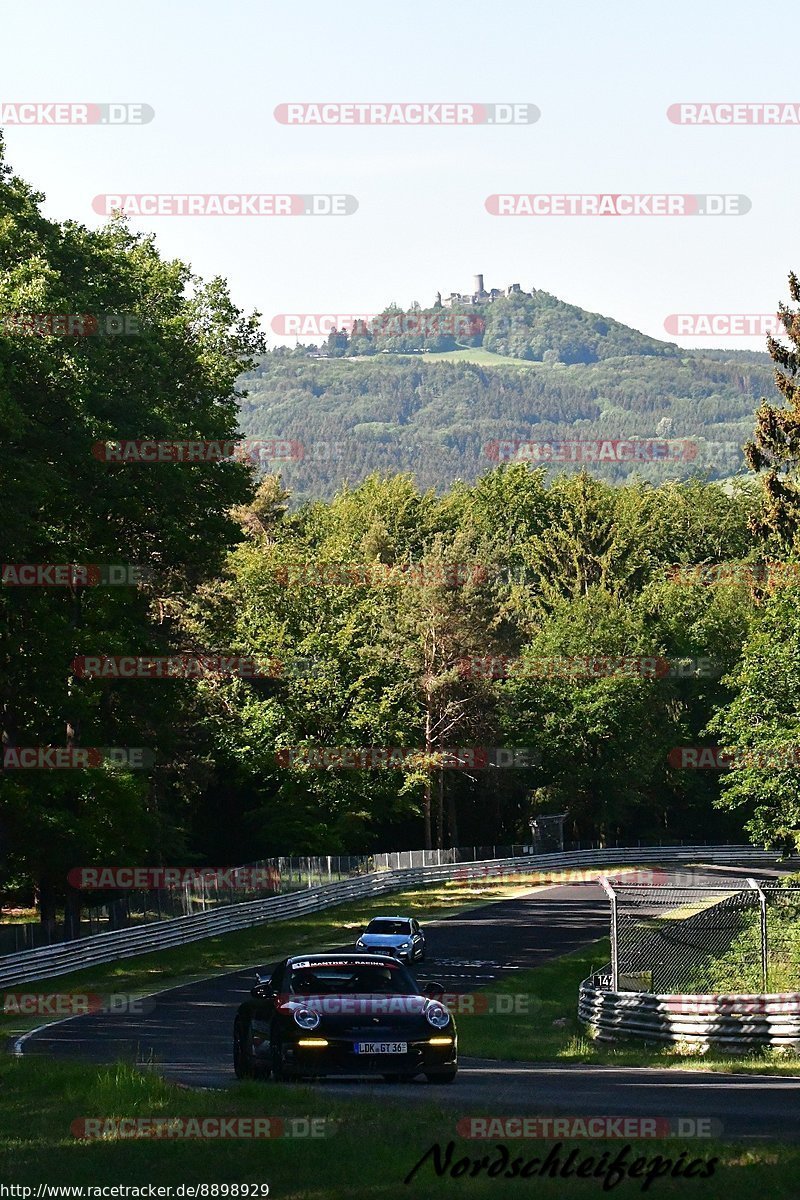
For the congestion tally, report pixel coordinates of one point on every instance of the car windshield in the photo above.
(387, 926)
(336, 979)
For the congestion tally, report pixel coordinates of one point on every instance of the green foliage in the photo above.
(441, 421)
(59, 396)
(775, 447)
(761, 725)
(356, 591)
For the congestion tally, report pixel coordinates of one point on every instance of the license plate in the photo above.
(381, 1047)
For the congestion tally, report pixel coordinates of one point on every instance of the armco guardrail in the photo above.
(726, 1021)
(63, 958)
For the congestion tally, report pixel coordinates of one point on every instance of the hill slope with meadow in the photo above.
(445, 393)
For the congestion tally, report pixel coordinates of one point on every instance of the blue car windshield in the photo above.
(323, 979)
(385, 926)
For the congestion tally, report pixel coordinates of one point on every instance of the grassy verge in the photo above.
(545, 1026)
(147, 973)
(367, 1151)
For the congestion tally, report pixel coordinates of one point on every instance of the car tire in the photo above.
(441, 1076)
(279, 1071)
(244, 1064)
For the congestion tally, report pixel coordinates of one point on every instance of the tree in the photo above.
(775, 448)
(441, 619)
(760, 727)
(59, 397)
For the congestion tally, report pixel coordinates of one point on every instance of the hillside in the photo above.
(408, 395)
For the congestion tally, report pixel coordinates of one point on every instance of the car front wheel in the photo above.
(243, 1064)
(279, 1072)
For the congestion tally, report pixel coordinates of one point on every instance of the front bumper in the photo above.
(405, 956)
(339, 1057)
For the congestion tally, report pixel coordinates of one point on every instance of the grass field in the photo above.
(473, 354)
(366, 1149)
(546, 1027)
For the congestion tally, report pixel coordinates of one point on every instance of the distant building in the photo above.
(479, 295)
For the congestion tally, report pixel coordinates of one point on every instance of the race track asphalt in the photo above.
(186, 1035)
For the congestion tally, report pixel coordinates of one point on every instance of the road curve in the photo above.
(187, 1035)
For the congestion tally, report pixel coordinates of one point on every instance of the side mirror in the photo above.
(261, 990)
(433, 989)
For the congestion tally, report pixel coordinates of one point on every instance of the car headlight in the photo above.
(360, 944)
(306, 1018)
(437, 1015)
(406, 946)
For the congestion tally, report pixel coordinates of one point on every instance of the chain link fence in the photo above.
(203, 889)
(732, 936)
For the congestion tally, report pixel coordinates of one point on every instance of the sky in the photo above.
(602, 76)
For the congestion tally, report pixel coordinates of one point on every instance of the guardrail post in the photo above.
(612, 896)
(762, 904)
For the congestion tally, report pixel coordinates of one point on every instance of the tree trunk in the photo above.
(452, 819)
(428, 839)
(440, 811)
(47, 907)
(72, 915)
(427, 812)
(117, 916)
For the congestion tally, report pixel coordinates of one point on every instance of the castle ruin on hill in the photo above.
(479, 295)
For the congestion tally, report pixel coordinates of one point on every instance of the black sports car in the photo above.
(344, 1014)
